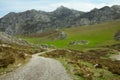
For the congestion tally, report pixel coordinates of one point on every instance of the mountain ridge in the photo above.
(33, 21)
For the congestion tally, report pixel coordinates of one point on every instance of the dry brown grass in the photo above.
(12, 56)
(76, 58)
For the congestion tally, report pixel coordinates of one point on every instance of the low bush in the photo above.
(6, 60)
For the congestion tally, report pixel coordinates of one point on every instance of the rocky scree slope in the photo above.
(33, 21)
(4, 38)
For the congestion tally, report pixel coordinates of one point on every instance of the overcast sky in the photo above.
(7, 6)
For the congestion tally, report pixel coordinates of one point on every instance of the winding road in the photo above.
(39, 68)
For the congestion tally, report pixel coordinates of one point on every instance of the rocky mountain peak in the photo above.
(31, 11)
(94, 10)
(106, 8)
(61, 8)
(62, 12)
(33, 21)
(11, 13)
(116, 6)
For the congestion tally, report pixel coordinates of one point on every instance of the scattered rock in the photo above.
(44, 45)
(4, 45)
(63, 35)
(98, 66)
(52, 46)
(117, 35)
(26, 55)
(72, 43)
(18, 64)
(81, 42)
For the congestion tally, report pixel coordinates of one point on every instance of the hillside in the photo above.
(14, 52)
(33, 21)
(88, 52)
(85, 51)
(96, 35)
(60, 40)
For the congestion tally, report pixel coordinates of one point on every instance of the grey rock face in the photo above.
(4, 38)
(33, 21)
(62, 35)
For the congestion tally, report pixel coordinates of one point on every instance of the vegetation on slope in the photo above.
(14, 52)
(81, 65)
(96, 35)
(13, 56)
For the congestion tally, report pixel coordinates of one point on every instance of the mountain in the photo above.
(33, 21)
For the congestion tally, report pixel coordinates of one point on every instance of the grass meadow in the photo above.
(97, 35)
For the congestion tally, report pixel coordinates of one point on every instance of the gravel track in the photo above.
(116, 57)
(39, 68)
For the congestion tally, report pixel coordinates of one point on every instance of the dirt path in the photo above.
(39, 68)
(116, 57)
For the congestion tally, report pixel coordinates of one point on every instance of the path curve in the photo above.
(116, 56)
(39, 68)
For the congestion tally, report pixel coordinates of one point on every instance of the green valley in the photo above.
(97, 35)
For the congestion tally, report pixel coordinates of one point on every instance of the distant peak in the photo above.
(106, 7)
(12, 13)
(32, 10)
(61, 7)
(116, 6)
(95, 9)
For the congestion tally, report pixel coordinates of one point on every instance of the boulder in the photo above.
(44, 45)
(63, 35)
(117, 36)
(81, 42)
(72, 43)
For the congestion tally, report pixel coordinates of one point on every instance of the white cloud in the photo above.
(82, 6)
(50, 5)
(86, 5)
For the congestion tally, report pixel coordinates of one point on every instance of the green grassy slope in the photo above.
(98, 35)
